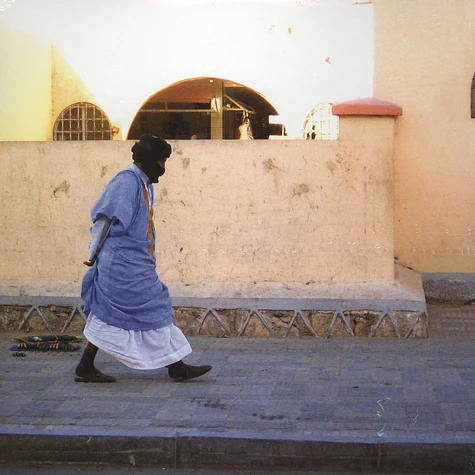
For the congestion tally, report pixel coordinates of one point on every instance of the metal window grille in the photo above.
(321, 124)
(82, 121)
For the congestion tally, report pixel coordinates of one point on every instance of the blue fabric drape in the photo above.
(122, 288)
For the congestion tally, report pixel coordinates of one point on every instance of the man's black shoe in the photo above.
(192, 372)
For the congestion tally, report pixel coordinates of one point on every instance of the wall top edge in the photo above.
(367, 106)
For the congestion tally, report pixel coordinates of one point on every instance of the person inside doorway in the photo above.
(244, 130)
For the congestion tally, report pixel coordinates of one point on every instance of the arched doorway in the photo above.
(204, 108)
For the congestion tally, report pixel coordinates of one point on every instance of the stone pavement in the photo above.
(347, 404)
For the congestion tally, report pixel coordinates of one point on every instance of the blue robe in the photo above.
(122, 288)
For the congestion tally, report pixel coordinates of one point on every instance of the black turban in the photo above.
(150, 148)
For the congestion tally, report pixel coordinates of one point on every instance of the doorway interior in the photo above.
(205, 108)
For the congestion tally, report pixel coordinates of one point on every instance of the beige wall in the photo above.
(226, 211)
(425, 61)
(25, 86)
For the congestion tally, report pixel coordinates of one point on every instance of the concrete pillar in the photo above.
(217, 114)
(372, 121)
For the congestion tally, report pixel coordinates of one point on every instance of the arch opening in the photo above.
(205, 108)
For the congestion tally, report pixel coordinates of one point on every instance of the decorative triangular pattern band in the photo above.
(242, 322)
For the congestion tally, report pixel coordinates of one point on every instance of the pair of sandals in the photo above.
(190, 372)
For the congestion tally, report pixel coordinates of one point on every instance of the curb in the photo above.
(216, 452)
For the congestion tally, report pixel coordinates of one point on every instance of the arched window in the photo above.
(82, 121)
(320, 123)
(472, 98)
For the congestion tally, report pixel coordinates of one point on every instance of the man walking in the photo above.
(129, 309)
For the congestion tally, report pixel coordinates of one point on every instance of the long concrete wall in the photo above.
(226, 211)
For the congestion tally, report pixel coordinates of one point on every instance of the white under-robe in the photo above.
(148, 349)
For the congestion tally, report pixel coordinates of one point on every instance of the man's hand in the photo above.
(90, 262)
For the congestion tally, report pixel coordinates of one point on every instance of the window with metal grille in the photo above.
(320, 123)
(82, 121)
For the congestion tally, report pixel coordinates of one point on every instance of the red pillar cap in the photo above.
(367, 106)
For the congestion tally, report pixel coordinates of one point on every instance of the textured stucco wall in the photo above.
(425, 62)
(226, 211)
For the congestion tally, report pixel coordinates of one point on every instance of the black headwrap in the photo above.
(147, 151)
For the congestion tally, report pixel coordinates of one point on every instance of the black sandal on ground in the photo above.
(95, 376)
